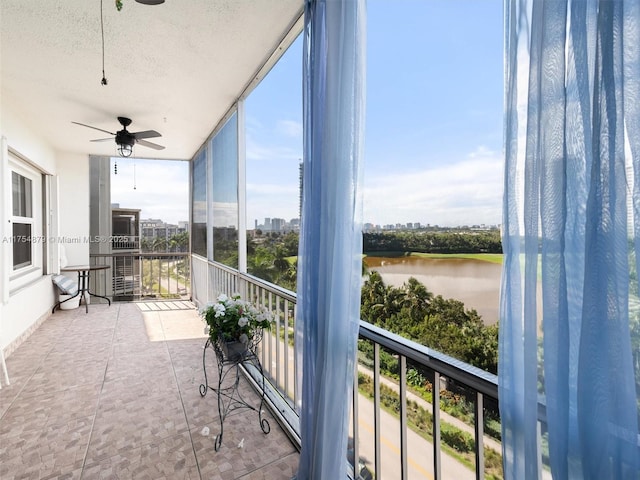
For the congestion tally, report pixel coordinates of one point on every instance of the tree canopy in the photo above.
(442, 324)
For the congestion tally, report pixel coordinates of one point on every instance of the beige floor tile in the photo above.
(116, 394)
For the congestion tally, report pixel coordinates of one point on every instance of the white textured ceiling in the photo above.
(175, 67)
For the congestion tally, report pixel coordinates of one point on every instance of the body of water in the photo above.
(475, 283)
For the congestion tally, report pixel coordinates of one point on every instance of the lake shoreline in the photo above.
(485, 257)
(474, 279)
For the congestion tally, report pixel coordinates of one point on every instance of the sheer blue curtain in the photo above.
(329, 261)
(569, 333)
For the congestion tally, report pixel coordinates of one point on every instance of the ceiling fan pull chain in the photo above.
(104, 78)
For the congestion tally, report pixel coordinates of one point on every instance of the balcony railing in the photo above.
(407, 435)
(125, 242)
(135, 276)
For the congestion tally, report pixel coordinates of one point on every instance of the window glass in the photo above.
(199, 204)
(21, 207)
(26, 220)
(21, 245)
(224, 148)
(21, 188)
(274, 182)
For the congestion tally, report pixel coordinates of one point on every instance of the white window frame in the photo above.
(21, 276)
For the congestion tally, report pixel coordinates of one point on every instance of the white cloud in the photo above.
(290, 128)
(225, 214)
(457, 192)
(462, 191)
(466, 192)
(271, 200)
(271, 152)
(161, 188)
(271, 189)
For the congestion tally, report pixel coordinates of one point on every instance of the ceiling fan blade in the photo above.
(146, 134)
(155, 146)
(95, 128)
(102, 140)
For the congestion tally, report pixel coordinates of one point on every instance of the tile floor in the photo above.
(114, 394)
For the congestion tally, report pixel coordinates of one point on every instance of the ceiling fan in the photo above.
(126, 139)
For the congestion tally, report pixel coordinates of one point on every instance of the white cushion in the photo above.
(65, 284)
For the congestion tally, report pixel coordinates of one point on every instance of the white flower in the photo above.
(222, 298)
(204, 308)
(243, 321)
(219, 309)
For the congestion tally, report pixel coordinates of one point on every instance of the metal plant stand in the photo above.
(230, 358)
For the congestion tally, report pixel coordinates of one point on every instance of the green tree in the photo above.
(179, 242)
(290, 244)
(260, 263)
(159, 244)
(458, 332)
(442, 324)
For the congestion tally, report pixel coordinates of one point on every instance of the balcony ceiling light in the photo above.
(150, 2)
(124, 149)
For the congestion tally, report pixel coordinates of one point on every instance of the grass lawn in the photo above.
(485, 257)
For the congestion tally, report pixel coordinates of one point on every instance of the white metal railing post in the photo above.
(479, 431)
(435, 411)
(404, 471)
(376, 410)
(286, 347)
(278, 349)
(295, 362)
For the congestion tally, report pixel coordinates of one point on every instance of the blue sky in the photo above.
(433, 146)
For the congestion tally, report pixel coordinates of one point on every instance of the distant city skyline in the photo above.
(278, 224)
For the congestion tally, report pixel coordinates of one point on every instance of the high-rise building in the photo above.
(277, 224)
(154, 228)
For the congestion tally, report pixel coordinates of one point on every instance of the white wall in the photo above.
(22, 310)
(27, 143)
(73, 198)
(25, 308)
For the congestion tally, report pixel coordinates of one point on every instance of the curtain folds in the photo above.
(329, 261)
(570, 312)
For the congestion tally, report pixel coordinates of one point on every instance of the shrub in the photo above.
(456, 438)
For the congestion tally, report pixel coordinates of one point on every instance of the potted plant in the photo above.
(235, 325)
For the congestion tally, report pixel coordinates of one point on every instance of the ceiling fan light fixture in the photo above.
(125, 150)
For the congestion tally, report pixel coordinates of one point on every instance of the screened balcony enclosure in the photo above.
(115, 392)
